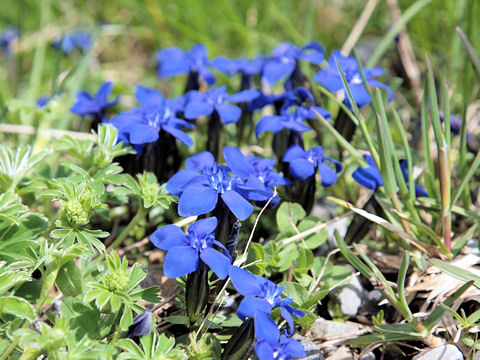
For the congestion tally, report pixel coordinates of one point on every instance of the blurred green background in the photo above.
(129, 32)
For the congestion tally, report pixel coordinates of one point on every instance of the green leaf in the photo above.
(437, 314)
(17, 306)
(289, 213)
(256, 253)
(130, 346)
(295, 291)
(11, 208)
(321, 293)
(456, 272)
(178, 319)
(69, 279)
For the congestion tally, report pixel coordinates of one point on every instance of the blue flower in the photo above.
(296, 108)
(292, 118)
(42, 101)
(203, 181)
(141, 325)
(419, 191)
(261, 296)
(143, 124)
(205, 103)
(304, 163)
(175, 61)
(77, 40)
(185, 250)
(244, 66)
(256, 170)
(88, 105)
(7, 36)
(285, 57)
(330, 78)
(279, 347)
(370, 176)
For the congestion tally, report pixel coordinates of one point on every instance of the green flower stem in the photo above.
(141, 213)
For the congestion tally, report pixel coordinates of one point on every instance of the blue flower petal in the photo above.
(420, 191)
(224, 65)
(180, 261)
(149, 97)
(190, 205)
(207, 75)
(176, 184)
(293, 347)
(327, 174)
(168, 236)
(195, 109)
(200, 161)
(172, 62)
(274, 70)
(378, 84)
(360, 95)
(263, 350)
(250, 305)
(219, 263)
(240, 207)
(228, 113)
(269, 123)
(288, 318)
(179, 135)
(236, 161)
(368, 177)
(265, 328)
(294, 152)
(243, 96)
(141, 134)
(104, 91)
(203, 227)
(245, 282)
(301, 169)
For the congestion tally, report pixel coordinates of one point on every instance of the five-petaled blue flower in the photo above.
(185, 250)
(297, 106)
(285, 57)
(261, 296)
(330, 78)
(303, 164)
(203, 181)
(278, 347)
(175, 61)
(371, 178)
(243, 66)
(257, 170)
(291, 118)
(143, 124)
(7, 36)
(205, 103)
(88, 105)
(76, 40)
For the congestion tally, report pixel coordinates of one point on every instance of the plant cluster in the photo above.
(243, 155)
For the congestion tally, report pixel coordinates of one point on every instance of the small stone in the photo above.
(342, 353)
(341, 226)
(311, 349)
(322, 328)
(472, 247)
(349, 297)
(444, 352)
(368, 356)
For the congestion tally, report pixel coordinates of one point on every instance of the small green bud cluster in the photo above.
(76, 213)
(116, 281)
